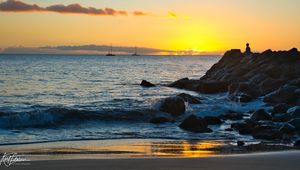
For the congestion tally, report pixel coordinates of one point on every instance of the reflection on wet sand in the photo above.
(185, 148)
(114, 148)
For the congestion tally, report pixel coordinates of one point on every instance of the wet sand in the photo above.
(287, 160)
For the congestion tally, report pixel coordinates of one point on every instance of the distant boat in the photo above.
(135, 53)
(110, 53)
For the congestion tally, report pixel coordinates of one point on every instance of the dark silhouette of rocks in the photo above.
(280, 108)
(297, 144)
(201, 86)
(260, 114)
(240, 143)
(173, 105)
(211, 120)
(247, 77)
(195, 124)
(279, 126)
(146, 83)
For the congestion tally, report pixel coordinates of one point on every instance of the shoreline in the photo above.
(139, 148)
(275, 160)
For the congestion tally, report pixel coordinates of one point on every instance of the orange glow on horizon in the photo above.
(185, 28)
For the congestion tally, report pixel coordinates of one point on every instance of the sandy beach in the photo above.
(276, 160)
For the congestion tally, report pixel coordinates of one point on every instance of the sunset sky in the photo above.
(199, 25)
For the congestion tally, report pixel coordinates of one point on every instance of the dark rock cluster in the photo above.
(275, 75)
(264, 125)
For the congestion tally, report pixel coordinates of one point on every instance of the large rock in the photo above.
(255, 75)
(244, 127)
(189, 98)
(243, 92)
(195, 124)
(260, 114)
(285, 94)
(146, 83)
(211, 120)
(173, 105)
(272, 73)
(294, 112)
(201, 86)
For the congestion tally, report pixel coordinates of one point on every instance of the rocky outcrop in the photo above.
(195, 124)
(246, 77)
(260, 114)
(173, 105)
(289, 93)
(201, 86)
(146, 83)
(211, 120)
(280, 125)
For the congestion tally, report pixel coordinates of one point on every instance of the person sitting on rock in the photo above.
(248, 49)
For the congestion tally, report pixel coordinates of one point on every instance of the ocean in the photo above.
(47, 98)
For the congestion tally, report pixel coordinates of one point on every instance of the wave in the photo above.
(52, 116)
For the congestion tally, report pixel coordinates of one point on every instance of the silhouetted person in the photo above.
(248, 49)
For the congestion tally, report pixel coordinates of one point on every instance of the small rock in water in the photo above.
(146, 83)
(189, 98)
(210, 120)
(240, 143)
(195, 124)
(244, 128)
(260, 114)
(173, 105)
(297, 144)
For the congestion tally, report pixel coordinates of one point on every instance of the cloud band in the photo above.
(18, 6)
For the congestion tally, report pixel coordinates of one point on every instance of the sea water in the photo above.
(47, 98)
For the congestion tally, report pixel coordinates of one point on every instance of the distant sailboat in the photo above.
(135, 52)
(110, 52)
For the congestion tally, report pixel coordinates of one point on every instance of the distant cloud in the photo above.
(82, 49)
(139, 13)
(78, 9)
(172, 14)
(19, 6)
